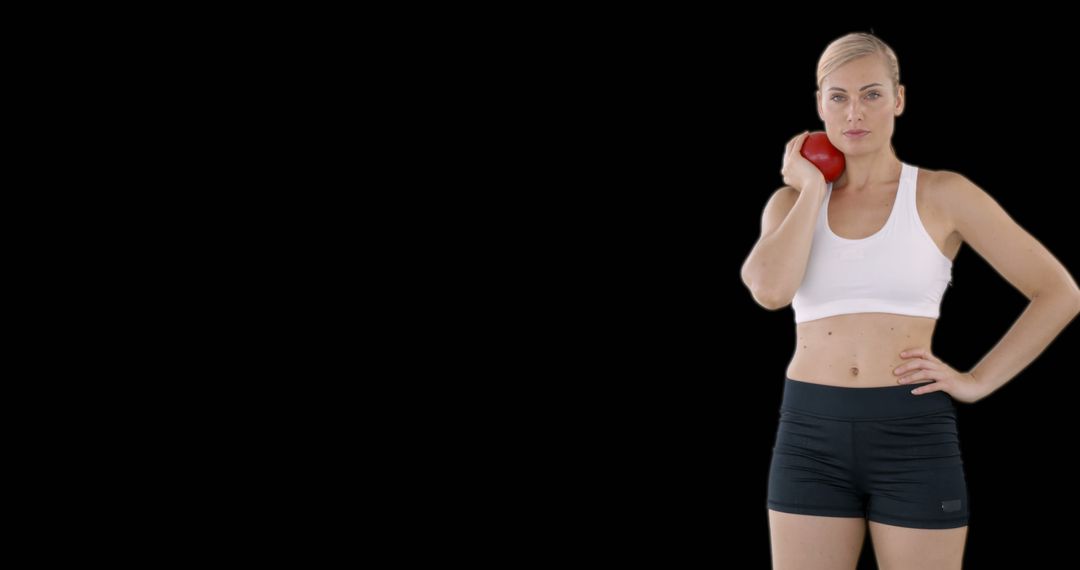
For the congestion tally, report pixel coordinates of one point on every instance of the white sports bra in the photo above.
(898, 270)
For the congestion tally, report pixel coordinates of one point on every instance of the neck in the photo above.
(865, 171)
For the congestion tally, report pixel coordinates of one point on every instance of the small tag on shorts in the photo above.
(950, 506)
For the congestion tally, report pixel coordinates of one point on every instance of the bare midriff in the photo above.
(858, 350)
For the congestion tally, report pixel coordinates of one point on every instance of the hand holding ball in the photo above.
(818, 150)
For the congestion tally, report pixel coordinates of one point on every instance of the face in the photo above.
(858, 106)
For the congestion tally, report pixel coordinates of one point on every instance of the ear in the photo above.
(900, 99)
(817, 99)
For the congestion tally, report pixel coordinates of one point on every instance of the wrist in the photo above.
(816, 186)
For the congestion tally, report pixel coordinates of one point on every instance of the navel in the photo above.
(854, 371)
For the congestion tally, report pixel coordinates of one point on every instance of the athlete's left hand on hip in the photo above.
(962, 386)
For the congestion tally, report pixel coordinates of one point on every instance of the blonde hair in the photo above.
(854, 46)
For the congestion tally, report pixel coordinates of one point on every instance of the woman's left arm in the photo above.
(1023, 262)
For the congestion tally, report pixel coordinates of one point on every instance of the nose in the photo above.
(854, 112)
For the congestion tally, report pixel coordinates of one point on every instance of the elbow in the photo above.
(771, 300)
(1074, 294)
(1067, 291)
(1071, 291)
(768, 297)
(777, 303)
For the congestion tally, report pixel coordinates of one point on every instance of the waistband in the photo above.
(875, 403)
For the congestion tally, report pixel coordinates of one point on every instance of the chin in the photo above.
(858, 148)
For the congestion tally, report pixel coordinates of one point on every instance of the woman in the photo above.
(864, 262)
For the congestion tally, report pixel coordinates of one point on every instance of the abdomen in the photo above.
(858, 349)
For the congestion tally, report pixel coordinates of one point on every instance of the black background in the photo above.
(660, 377)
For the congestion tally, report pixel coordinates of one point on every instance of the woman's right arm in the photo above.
(775, 267)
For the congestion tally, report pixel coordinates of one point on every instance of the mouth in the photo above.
(856, 133)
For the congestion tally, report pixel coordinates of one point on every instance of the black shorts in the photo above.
(880, 453)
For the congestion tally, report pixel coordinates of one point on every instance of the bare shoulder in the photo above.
(989, 230)
(971, 211)
(949, 193)
(948, 183)
(785, 195)
(782, 200)
(940, 185)
(777, 209)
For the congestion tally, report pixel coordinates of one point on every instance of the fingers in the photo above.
(802, 139)
(927, 367)
(921, 363)
(924, 377)
(932, 387)
(915, 377)
(920, 352)
(793, 170)
(796, 141)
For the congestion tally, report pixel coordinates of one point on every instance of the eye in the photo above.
(873, 95)
(837, 98)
